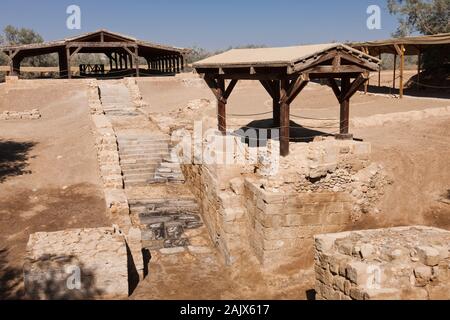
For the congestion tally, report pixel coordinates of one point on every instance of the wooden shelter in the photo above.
(123, 53)
(401, 47)
(284, 72)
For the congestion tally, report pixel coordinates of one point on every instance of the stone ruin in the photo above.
(20, 115)
(407, 263)
(272, 207)
(76, 264)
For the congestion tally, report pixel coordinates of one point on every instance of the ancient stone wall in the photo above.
(281, 225)
(406, 263)
(111, 173)
(273, 207)
(76, 264)
(20, 115)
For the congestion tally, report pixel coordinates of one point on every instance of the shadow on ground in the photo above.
(14, 158)
(10, 278)
(265, 129)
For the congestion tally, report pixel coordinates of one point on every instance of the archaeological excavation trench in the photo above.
(255, 227)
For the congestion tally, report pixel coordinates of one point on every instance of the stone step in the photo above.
(155, 156)
(136, 176)
(126, 167)
(149, 141)
(143, 170)
(156, 152)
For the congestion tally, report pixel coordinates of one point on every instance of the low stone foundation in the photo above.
(407, 263)
(20, 115)
(76, 264)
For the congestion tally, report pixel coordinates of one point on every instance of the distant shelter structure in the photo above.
(284, 73)
(123, 52)
(401, 47)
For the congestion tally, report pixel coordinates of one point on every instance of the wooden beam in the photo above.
(296, 87)
(340, 69)
(102, 44)
(229, 89)
(351, 90)
(284, 119)
(333, 84)
(268, 86)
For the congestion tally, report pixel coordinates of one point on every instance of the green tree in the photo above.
(16, 36)
(21, 36)
(425, 16)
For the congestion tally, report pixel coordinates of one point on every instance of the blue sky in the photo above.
(211, 24)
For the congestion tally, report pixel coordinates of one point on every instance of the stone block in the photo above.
(76, 264)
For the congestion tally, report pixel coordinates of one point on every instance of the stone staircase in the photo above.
(116, 99)
(169, 170)
(163, 222)
(140, 156)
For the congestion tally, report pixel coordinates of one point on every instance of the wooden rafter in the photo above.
(333, 84)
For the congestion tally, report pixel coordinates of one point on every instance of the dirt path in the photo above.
(48, 173)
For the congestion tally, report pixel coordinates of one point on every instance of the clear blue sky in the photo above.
(211, 24)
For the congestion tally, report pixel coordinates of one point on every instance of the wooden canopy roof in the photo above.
(412, 45)
(284, 73)
(311, 59)
(97, 39)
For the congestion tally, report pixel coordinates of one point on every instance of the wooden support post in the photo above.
(110, 62)
(62, 62)
(276, 103)
(222, 94)
(178, 64)
(16, 65)
(69, 60)
(136, 60)
(402, 69)
(182, 63)
(221, 106)
(379, 72)
(284, 118)
(366, 85)
(345, 110)
(419, 68)
(120, 61)
(115, 60)
(395, 68)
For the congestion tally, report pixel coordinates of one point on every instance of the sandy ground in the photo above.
(48, 173)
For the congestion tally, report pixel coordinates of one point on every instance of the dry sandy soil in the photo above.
(49, 177)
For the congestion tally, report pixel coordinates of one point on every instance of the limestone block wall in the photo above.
(76, 264)
(273, 207)
(222, 210)
(281, 226)
(408, 263)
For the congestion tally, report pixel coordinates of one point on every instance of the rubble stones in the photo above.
(382, 264)
(20, 115)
